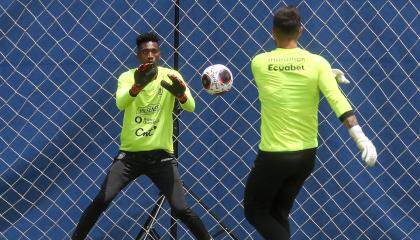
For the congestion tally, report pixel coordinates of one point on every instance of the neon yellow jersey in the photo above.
(148, 123)
(289, 82)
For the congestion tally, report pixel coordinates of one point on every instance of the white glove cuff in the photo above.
(357, 134)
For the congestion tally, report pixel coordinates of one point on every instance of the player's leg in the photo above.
(166, 177)
(264, 181)
(116, 179)
(283, 203)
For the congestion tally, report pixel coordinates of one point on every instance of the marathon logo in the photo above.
(149, 109)
(286, 60)
(285, 68)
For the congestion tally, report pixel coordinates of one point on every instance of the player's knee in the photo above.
(102, 201)
(252, 214)
(181, 213)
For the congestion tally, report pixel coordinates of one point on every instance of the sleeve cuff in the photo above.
(134, 90)
(346, 115)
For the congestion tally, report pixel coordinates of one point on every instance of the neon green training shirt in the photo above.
(148, 122)
(289, 82)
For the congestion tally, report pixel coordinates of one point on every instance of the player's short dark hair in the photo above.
(286, 21)
(147, 37)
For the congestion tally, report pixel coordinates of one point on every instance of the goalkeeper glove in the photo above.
(177, 88)
(143, 75)
(364, 144)
(339, 76)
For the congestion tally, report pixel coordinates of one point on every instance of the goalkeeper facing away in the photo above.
(289, 80)
(147, 96)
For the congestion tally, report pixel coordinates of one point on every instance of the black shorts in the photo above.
(158, 165)
(272, 186)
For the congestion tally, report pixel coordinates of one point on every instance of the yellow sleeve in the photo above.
(329, 87)
(123, 97)
(189, 105)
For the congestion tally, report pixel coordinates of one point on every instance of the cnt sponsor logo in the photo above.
(140, 132)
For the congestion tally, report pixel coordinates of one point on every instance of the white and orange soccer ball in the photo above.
(217, 79)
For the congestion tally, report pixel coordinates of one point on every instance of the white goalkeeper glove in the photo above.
(364, 144)
(339, 76)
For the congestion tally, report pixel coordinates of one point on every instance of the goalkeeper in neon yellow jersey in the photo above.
(147, 96)
(289, 81)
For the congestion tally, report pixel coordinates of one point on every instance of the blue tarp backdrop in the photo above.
(59, 126)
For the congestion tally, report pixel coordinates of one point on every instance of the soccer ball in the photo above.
(217, 79)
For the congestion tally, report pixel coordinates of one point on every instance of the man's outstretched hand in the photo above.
(177, 88)
(143, 75)
(340, 77)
